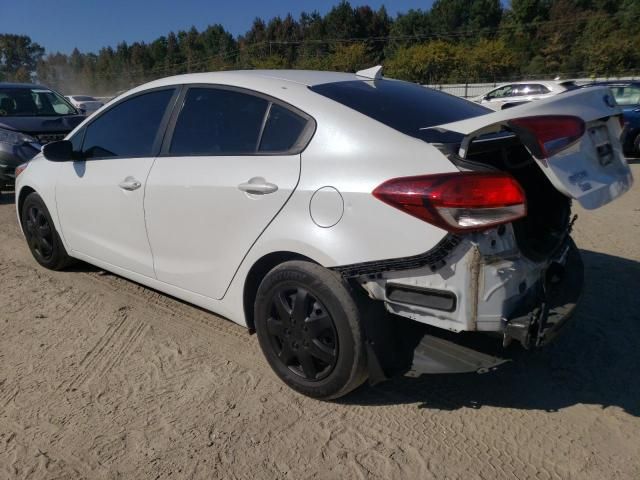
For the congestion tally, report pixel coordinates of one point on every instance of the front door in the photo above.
(100, 197)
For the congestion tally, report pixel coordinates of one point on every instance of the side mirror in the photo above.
(61, 151)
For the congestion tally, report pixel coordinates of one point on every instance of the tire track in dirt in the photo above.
(120, 337)
(229, 342)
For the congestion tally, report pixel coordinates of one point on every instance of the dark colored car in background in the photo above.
(627, 95)
(30, 116)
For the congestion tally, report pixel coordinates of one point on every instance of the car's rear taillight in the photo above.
(457, 202)
(548, 134)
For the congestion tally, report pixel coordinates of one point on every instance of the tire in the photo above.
(318, 348)
(41, 234)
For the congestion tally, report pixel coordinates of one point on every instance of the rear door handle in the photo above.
(130, 184)
(258, 186)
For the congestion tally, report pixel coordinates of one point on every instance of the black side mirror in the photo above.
(61, 151)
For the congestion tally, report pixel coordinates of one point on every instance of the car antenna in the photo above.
(374, 73)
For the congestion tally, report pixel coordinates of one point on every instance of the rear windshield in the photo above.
(403, 106)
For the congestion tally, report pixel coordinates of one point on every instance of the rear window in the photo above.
(403, 106)
(282, 130)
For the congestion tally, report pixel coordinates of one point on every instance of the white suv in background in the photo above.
(512, 94)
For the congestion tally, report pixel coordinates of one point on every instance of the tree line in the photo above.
(454, 41)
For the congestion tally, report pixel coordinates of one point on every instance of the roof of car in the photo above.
(21, 85)
(301, 77)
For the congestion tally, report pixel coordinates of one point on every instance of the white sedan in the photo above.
(85, 104)
(307, 206)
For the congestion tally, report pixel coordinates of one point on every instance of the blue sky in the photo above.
(61, 25)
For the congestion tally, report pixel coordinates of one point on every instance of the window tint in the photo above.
(128, 129)
(76, 140)
(403, 106)
(282, 130)
(218, 122)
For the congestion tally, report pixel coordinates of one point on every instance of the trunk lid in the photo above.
(591, 169)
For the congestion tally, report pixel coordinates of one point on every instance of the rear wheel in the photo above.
(42, 237)
(308, 326)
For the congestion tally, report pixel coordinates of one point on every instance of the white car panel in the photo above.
(201, 224)
(115, 232)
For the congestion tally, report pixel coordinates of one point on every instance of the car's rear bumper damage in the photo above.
(481, 298)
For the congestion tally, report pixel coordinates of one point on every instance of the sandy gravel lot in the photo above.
(101, 378)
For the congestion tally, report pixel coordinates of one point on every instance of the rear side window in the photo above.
(403, 106)
(218, 122)
(129, 129)
(282, 130)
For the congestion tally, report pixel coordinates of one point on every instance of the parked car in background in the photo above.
(30, 116)
(627, 95)
(306, 205)
(85, 104)
(516, 93)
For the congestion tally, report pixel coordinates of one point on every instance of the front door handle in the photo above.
(258, 186)
(130, 184)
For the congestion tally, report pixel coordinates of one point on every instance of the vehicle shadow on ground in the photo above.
(596, 361)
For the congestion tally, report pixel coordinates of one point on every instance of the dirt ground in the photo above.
(101, 378)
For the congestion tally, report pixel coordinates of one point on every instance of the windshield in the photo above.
(31, 102)
(403, 106)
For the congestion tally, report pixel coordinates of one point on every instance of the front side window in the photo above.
(33, 102)
(216, 121)
(129, 129)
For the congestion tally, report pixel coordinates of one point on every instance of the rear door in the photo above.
(574, 138)
(230, 162)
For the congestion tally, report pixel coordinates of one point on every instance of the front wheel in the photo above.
(42, 237)
(308, 326)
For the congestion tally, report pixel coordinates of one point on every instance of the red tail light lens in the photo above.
(548, 135)
(457, 202)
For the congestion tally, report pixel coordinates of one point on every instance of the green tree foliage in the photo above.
(454, 41)
(18, 57)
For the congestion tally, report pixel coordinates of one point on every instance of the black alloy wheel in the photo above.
(302, 333)
(308, 321)
(39, 233)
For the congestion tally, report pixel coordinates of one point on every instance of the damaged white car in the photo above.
(308, 205)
